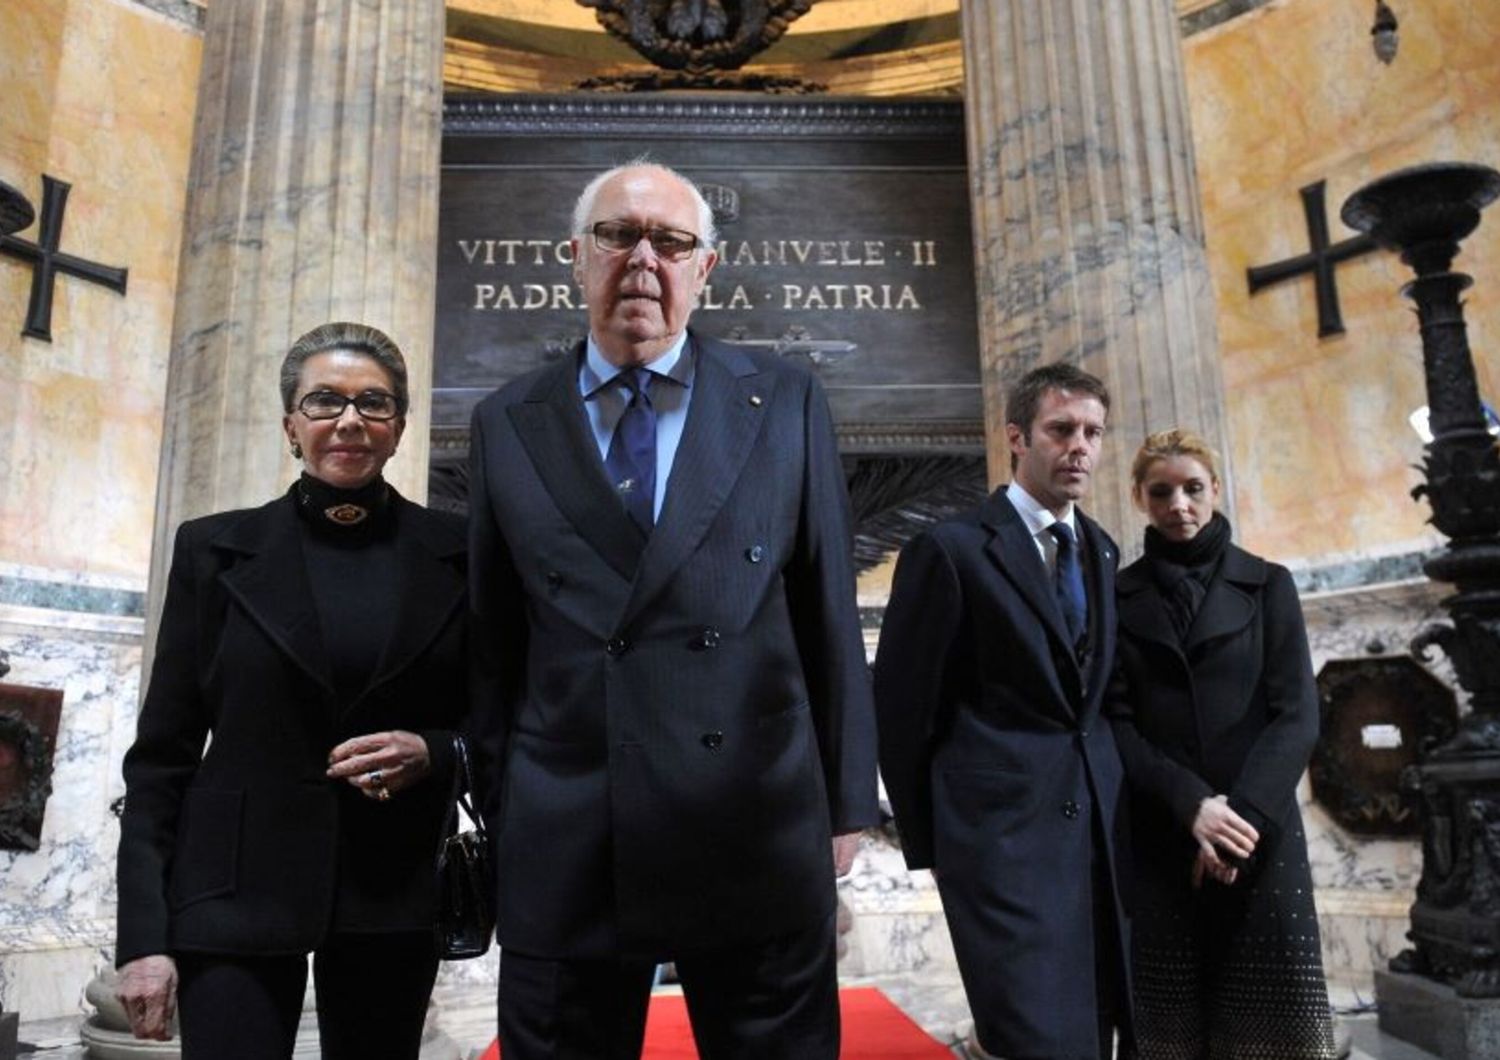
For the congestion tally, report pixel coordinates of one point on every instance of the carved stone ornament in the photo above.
(698, 36)
(1377, 716)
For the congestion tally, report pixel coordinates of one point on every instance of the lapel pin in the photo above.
(757, 400)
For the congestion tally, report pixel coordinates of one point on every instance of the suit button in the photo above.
(712, 740)
(1070, 809)
(1084, 733)
(709, 638)
(616, 646)
(554, 580)
(755, 553)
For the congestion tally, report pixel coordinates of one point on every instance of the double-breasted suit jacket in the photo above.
(1000, 770)
(248, 848)
(672, 725)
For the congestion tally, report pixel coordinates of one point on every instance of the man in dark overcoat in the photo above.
(674, 721)
(994, 654)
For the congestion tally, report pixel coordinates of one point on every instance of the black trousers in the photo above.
(372, 999)
(772, 1001)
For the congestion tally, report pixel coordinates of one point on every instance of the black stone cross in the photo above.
(1320, 261)
(47, 261)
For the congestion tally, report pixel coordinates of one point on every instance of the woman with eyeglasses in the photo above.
(288, 785)
(1215, 713)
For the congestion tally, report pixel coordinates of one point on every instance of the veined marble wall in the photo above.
(98, 93)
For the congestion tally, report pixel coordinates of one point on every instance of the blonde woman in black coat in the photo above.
(1215, 712)
(288, 783)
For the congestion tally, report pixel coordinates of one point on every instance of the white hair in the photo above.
(708, 237)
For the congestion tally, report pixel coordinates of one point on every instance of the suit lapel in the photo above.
(722, 426)
(431, 588)
(1141, 609)
(553, 427)
(1228, 607)
(1102, 560)
(1014, 551)
(271, 584)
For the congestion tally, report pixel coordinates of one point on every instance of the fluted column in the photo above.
(312, 197)
(1088, 230)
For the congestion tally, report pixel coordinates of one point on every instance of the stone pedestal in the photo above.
(1433, 1017)
(1088, 231)
(312, 197)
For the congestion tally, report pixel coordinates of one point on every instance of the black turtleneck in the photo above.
(348, 543)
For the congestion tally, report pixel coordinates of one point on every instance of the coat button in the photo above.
(712, 740)
(1070, 809)
(554, 580)
(755, 553)
(709, 638)
(616, 645)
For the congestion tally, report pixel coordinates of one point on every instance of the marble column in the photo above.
(312, 197)
(1088, 230)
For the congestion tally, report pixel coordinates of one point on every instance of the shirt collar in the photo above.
(597, 373)
(1034, 514)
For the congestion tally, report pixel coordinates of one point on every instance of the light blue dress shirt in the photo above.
(671, 393)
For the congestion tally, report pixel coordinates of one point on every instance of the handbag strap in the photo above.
(463, 788)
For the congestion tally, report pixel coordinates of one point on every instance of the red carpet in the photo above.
(874, 1029)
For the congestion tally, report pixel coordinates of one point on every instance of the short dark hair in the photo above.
(1025, 397)
(342, 335)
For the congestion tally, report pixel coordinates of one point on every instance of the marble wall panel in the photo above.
(99, 94)
(57, 904)
(1282, 97)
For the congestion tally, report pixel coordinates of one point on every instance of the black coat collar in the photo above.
(1013, 549)
(268, 578)
(1227, 608)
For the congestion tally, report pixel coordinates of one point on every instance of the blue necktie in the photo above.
(1071, 597)
(631, 460)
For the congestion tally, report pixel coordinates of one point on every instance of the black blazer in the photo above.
(999, 768)
(671, 726)
(1234, 711)
(248, 848)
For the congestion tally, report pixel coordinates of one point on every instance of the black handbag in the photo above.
(466, 888)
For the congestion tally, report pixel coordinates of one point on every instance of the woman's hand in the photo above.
(381, 763)
(148, 991)
(1215, 827)
(1214, 867)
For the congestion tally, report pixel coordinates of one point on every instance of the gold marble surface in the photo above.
(1283, 97)
(99, 95)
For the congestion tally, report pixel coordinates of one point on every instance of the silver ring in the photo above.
(375, 778)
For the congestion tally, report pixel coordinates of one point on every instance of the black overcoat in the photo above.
(1230, 709)
(1001, 772)
(672, 727)
(247, 848)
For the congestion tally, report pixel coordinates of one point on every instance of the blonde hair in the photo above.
(1176, 442)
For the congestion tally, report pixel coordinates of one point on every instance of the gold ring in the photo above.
(382, 793)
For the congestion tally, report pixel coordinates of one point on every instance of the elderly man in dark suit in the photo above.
(674, 718)
(995, 650)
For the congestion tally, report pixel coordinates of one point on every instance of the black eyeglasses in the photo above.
(670, 244)
(379, 405)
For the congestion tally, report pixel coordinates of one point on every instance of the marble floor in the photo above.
(464, 1018)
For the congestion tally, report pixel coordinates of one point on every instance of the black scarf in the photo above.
(1183, 569)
